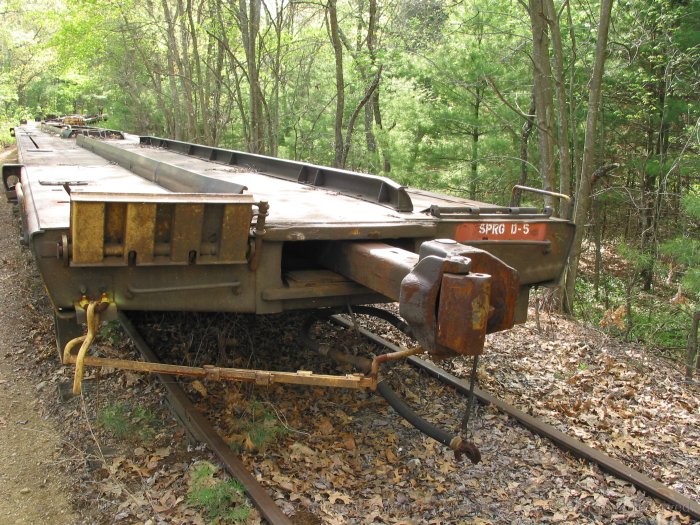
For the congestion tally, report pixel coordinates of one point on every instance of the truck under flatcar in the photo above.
(156, 224)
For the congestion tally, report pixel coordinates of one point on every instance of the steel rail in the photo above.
(202, 430)
(652, 487)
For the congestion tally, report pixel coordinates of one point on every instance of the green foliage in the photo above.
(691, 206)
(222, 500)
(685, 249)
(654, 321)
(113, 332)
(261, 426)
(128, 422)
(637, 260)
(5, 138)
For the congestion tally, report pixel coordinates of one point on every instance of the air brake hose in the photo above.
(453, 441)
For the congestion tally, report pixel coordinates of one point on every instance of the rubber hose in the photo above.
(383, 387)
(409, 415)
(385, 315)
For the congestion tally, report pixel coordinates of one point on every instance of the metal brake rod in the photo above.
(259, 377)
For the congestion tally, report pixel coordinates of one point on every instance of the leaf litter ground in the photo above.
(336, 457)
(345, 457)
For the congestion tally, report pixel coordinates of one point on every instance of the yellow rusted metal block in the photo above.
(159, 228)
(140, 231)
(115, 219)
(186, 234)
(235, 228)
(88, 230)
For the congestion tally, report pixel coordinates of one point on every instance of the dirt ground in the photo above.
(32, 490)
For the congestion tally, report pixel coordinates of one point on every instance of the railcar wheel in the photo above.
(65, 328)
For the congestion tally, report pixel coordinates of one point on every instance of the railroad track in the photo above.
(560, 439)
(200, 428)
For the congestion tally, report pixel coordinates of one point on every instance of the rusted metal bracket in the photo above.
(394, 356)
(446, 305)
(93, 309)
(538, 191)
(489, 212)
(258, 233)
(505, 282)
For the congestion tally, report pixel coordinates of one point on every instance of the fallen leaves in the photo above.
(345, 458)
(199, 387)
(300, 451)
(614, 317)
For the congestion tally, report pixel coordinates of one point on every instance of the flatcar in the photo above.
(124, 222)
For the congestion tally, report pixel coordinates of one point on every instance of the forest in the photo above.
(599, 100)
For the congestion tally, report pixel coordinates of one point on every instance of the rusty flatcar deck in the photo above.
(299, 210)
(52, 162)
(156, 224)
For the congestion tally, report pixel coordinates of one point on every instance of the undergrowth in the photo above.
(261, 427)
(128, 422)
(653, 318)
(5, 138)
(113, 332)
(222, 501)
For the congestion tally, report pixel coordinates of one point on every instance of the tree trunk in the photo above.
(572, 102)
(562, 117)
(374, 101)
(249, 24)
(475, 131)
(183, 60)
(176, 131)
(339, 82)
(692, 356)
(351, 123)
(597, 241)
(202, 127)
(584, 193)
(475, 145)
(524, 140)
(544, 101)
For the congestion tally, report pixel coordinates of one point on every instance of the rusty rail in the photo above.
(560, 439)
(197, 424)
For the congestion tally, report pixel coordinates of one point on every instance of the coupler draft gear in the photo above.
(450, 294)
